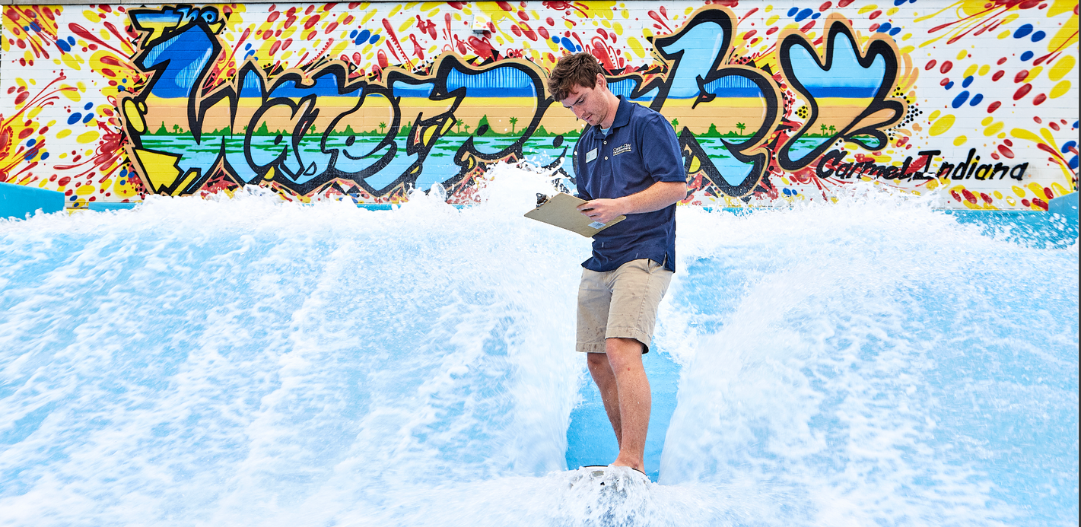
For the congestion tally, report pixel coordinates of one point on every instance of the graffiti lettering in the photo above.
(833, 164)
(304, 129)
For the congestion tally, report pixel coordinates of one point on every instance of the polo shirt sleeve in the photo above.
(660, 149)
(582, 193)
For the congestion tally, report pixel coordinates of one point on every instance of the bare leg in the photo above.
(635, 399)
(602, 374)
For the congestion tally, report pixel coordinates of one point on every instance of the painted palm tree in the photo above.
(513, 121)
(382, 126)
(825, 130)
(833, 129)
(459, 124)
(741, 127)
(176, 129)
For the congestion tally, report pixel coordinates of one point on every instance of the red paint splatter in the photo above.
(808, 26)
(1005, 151)
(998, 75)
(1047, 192)
(1022, 91)
(1039, 99)
(544, 32)
(653, 14)
(930, 64)
(1053, 125)
(875, 14)
(771, 30)
(273, 16)
(844, 3)
(985, 198)
(482, 48)
(1008, 142)
(955, 195)
(1021, 76)
(946, 67)
(311, 21)
(994, 155)
(825, 6)
(1039, 203)
(1002, 61)
(993, 106)
(943, 82)
(330, 27)
(969, 197)
(523, 16)
(516, 30)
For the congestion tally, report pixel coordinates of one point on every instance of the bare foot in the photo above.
(636, 465)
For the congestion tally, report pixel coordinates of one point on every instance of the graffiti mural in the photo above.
(771, 102)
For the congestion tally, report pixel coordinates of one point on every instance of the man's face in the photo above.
(588, 104)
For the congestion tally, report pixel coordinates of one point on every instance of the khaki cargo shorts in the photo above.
(620, 304)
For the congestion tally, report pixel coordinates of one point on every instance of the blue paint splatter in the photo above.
(249, 53)
(1026, 56)
(803, 14)
(793, 11)
(1023, 31)
(977, 99)
(949, 85)
(374, 39)
(31, 143)
(1038, 36)
(46, 156)
(895, 31)
(960, 99)
(566, 42)
(363, 37)
(88, 106)
(815, 16)
(968, 80)
(353, 34)
(63, 45)
(89, 117)
(884, 28)
(74, 118)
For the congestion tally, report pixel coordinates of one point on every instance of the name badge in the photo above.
(591, 155)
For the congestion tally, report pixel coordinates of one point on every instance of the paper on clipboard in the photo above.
(562, 211)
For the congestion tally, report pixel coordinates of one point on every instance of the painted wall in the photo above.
(772, 102)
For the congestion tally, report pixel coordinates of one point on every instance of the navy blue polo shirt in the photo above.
(640, 149)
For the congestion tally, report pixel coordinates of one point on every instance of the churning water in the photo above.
(254, 362)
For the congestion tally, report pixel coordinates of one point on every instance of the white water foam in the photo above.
(252, 362)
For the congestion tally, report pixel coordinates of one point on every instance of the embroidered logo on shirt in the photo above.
(621, 149)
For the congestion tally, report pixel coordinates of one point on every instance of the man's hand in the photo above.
(602, 210)
(656, 197)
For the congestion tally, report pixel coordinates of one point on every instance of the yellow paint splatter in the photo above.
(994, 129)
(1060, 89)
(1061, 68)
(942, 125)
(88, 137)
(960, 140)
(636, 47)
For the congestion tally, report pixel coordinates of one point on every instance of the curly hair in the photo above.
(579, 69)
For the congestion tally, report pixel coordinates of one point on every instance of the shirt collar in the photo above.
(623, 116)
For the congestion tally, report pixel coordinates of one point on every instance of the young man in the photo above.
(627, 161)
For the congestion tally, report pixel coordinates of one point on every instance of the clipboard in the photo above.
(562, 211)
